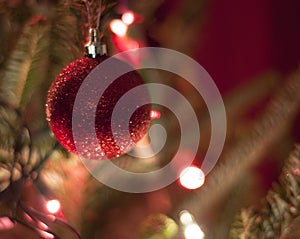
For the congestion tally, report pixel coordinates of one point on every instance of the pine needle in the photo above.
(279, 208)
(18, 65)
(249, 150)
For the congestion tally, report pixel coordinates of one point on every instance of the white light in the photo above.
(186, 218)
(128, 17)
(193, 231)
(118, 27)
(53, 206)
(192, 177)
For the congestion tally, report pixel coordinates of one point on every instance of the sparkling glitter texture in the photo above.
(59, 109)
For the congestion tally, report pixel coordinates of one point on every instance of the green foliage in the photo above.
(47, 41)
(41, 37)
(158, 227)
(279, 208)
(18, 65)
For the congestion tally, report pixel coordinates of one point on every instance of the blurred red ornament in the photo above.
(60, 102)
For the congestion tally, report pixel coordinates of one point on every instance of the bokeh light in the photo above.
(154, 114)
(53, 206)
(6, 223)
(193, 231)
(46, 235)
(186, 217)
(128, 17)
(118, 27)
(192, 177)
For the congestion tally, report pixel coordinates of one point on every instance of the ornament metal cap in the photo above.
(95, 47)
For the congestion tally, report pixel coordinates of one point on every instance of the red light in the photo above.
(42, 226)
(46, 235)
(53, 206)
(154, 114)
(128, 17)
(6, 223)
(192, 177)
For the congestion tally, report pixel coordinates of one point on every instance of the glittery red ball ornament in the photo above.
(61, 99)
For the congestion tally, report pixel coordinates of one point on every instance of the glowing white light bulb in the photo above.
(192, 177)
(118, 27)
(186, 217)
(193, 231)
(53, 206)
(128, 17)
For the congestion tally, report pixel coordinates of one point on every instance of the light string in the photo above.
(28, 171)
(35, 215)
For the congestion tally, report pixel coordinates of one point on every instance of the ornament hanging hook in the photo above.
(93, 8)
(94, 47)
(99, 14)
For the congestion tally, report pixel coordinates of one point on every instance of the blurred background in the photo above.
(250, 49)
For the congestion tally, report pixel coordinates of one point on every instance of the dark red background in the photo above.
(242, 39)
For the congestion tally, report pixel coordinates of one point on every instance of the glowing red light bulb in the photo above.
(154, 114)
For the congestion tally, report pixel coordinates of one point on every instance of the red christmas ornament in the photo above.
(61, 99)
(60, 102)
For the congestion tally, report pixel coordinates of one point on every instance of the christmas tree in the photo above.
(251, 51)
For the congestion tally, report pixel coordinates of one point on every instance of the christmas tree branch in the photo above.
(18, 65)
(279, 208)
(247, 152)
